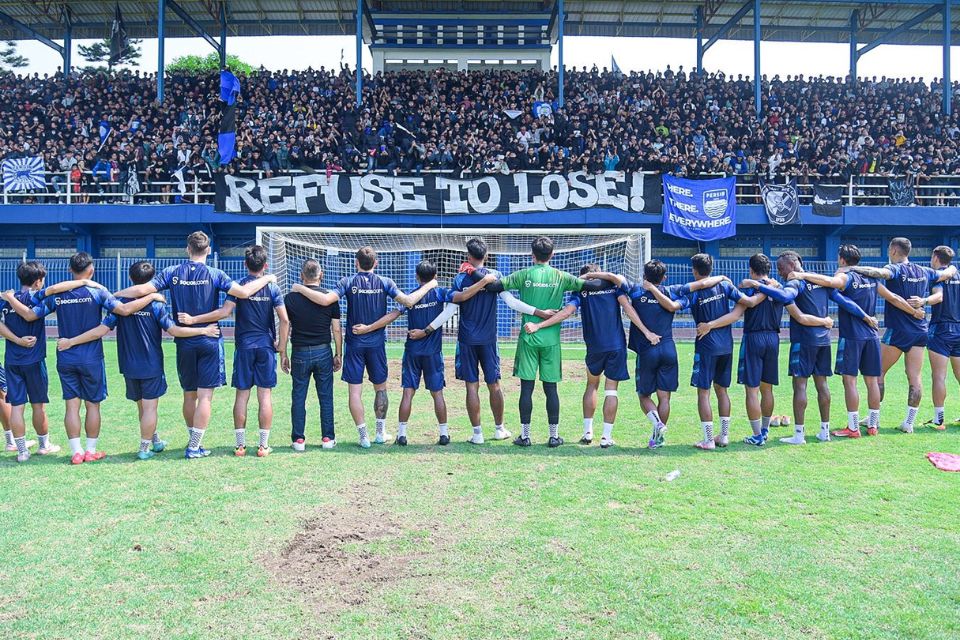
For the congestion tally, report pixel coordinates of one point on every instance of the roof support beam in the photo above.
(560, 70)
(757, 97)
(223, 34)
(359, 90)
(729, 24)
(947, 42)
(19, 26)
(193, 24)
(67, 52)
(918, 19)
(161, 20)
(854, 27)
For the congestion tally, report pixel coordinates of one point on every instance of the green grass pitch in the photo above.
(842, 540)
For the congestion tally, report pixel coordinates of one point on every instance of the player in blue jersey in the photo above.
(195, 290)
(943, 345)
(423, 351)
(906, 333)
(255, 357)
(82, 372)
(713, 352)
(25, 360)
(858, 352)
(810, 327)
(140, 355)
(366, 295)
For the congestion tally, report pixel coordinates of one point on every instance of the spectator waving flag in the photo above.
(614, 67)
(119, 43)
(227, 140)
(104, 130)
(23, 174)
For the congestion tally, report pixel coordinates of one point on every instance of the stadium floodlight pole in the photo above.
(854, 27)
(161, 11)
(698, 17)
(947, 41)
(560, 21)
(359, 53)
(756, 55)
(67, 42)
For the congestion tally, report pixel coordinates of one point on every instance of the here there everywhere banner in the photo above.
(701, 210)
(437, 194)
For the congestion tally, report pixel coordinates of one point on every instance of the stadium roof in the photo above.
(783, 20)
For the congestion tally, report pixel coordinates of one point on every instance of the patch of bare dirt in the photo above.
(328, 562)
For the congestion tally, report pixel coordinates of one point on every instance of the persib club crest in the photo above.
(715, 203)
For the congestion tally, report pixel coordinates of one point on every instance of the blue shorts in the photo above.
(902, 341)
(429, 367)
(87, 381)
(371, 359)
(759, 359)
(146, 388)
(200, 364)
(658, 369)
(611, 364)
(858, 357)
(709, 370)
(254, 368)
(27, 382)
(3, 380)
(473, 357)
(809, 360)
(944, 339)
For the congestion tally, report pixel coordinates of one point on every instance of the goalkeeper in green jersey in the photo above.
(541, 286)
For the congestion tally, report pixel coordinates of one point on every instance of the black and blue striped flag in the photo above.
(227, 140)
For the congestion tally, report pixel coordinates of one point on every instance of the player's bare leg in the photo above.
(5, 421)
(91, 426)
(265, 420)
(913, 365)
(72, 425)
(381, 403)
(403, 415)
(189, 408)
(610, 406)
(752, 401)
(440, 411)
(240, 402)
(589, 407)
(889, 356)
(851, 397)
(874, 394)
(657, 413)
(705, 409)
(150, 442)
(355, 402)
(496, 407)
(723, 408)
(199, 418)
(473, 410)
(938, 372)
(41, 425)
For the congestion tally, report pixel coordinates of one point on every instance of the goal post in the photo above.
(400, 250)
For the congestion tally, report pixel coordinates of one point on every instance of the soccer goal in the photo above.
(616, 250)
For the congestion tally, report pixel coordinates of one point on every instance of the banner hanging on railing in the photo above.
(781, 203)
(828, 200)
(701, 210)
(437, 193)
(23, 174)
(902, 193)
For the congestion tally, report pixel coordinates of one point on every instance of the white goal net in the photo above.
(616, 250)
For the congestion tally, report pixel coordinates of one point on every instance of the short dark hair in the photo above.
(426, 271)
(255, 258)
(654, 271)
(311, 269)
(366, 258)
(542, 248)
(589, 268)
(901, 244)
(760, 264)
(29, 273)
(944, 254)
(850, 254)
(702, 263)
(197, 243)
(142, 272)
(790, 259)
(80, 262)
(477, 248)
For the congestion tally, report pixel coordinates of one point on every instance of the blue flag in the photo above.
(227, 140)
(104, 131)
(229, 87)
(700, 210)
(614, 67)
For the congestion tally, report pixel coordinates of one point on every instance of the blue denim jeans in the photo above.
(316, 362)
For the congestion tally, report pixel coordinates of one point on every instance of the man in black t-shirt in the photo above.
(311, 328)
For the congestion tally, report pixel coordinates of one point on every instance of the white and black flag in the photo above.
(781, 203)
(902, 193)
(828, 200)
(119, 43)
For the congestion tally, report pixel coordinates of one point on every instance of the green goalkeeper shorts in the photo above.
(531, 359)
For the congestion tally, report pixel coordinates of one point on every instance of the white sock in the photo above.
(144, 445)
(264, 438)
(755, 425)
(824, 426)
(401, 429)
(21, 444)
(724, 427)
(75, 445)
(156, 437)
(478, 429)
(938, 415)
(607, 430)
(797, 437)
(525, 431)
(498, 427)
(853, 420)
(587, 425)
(874, 420)
(444, 429)
(764, 423)
(240, 435)
(707, 431)
(44, 440)
(8, 434)
(91, 445)
(654, 418)
(911, 416)
(381, 426)
(196, 437)
(798, 430)
(554, 430)
(362, 430)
